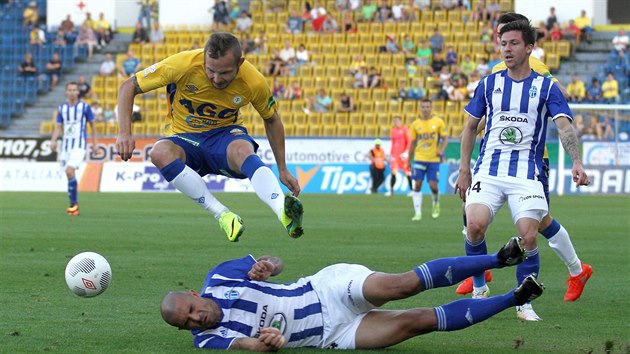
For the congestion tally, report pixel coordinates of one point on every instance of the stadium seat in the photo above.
(356, 130)
(314, 130)
(342, 118)
(342, 130)
(328, 130)
(355, 118)
(46, 127)
(564, 48)
(371, 131)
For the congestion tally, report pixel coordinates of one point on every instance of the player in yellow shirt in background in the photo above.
(576, 90)
(205, 133)
(551, 229)
(429, 138)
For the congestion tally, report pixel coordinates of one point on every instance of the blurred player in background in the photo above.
(399, 154)
(429, 138)
(73, 117)
(336, 308)
(516, 103)
(205, 134)
(550, 228)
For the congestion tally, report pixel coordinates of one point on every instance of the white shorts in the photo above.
(526, 198)
(340, 291)
(72, 158)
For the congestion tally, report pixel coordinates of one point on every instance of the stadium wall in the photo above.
(331, 166)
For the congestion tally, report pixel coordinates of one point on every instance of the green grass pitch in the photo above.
(161, 242)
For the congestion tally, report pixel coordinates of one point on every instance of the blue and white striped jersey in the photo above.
(74, 120)
(516, 113)
(248, 306)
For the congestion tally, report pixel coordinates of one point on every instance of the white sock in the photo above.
(561, 244)
(268, 189)
(190, 183)
(417, 202)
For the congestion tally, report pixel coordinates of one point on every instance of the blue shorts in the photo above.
(206, 152)
(543, 177)
(420, 168)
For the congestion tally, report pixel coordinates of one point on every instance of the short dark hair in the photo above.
(72, 83)
(510, 17)
(529, 32)
(427, 100)
(220, 43)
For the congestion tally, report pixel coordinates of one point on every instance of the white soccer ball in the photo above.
(88, 274)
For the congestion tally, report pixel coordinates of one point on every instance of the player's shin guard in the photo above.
(529, 265)
(560, 243)
(463, 313)
(443, 272)
(474, 248)
(265, 183)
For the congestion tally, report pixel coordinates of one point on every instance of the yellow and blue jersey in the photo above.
(427, 134)
(195, 105)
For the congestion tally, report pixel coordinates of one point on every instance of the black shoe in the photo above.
(529, 290)
(511, 253)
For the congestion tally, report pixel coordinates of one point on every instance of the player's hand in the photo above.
(462, 184)
(291, 182)
(579, 176)
(125, 144)
(272, 338)
(261, 270)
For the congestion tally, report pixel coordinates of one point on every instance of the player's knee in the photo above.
(164, 152)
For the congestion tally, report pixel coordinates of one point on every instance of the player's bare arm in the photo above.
(55, 136)
(270, 340)
(125, 143)
(275, 134)
(467, 144)
(265, 267)
(571, 145)
(93, 126)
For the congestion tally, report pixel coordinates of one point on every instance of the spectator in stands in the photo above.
(408, 47)
(391, 45)
(368, 11)
(89, 21)
(610, 89)
(483, 68)
(605, 129)
(551, 19)
(621, 42)
(157, 34)
(87, 38)
(346, 103)
(130, 66)
(293, 92)
(146, 12)
(437, 41)
(356, 64)
(384, 12)
(417, 92)
(97, 110)
(274, 65)
(542, 32)
(594, 91)
(321, 102)
(287, 53)
(361, 78)
(103, 30)
(295, 23)
(403, 90)
(318, 16)
(67, 27)
(584, 24)
(261, 43)
(578, 125)
(571, 31)
(556, 32)
(374, 78)
(53, 70)
(109, 116)
(576, 90)
(140, 34)
(468, 66)
(301, 55)
(475, 77)
(31, 14)
(494, 60)
(424, 54)
(330, 24)
(538, 52)
(85, 90)
(247, 44)
(438, 63)
(487, 33)
(220, 15)
(60, 39)
(493, 6)
(278, 89)
(409, 11)
(398, 11)
(27, 68)
(412, 68)
(590, 130)
(243, 23)
(37, 36)
(195, 45)
(451, 56)
(108, 67)
(349, 25)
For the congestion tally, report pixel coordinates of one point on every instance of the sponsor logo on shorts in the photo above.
(349, 293)
(535, 196)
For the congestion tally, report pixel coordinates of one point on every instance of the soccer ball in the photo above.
(88, 274)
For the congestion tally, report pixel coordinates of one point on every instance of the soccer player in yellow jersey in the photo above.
(551, 229)
(205, 134)
(429, 138)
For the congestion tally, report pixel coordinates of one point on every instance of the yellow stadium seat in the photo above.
(46, 127)
(553, 60)
(379, 94)
(342, 130)
(549, 47)
(382, 119)
(368, 118)
(426, 16)
(356, 130)
(300, 130)
(371, 131)
(138, 128)
(394, 106)
(154, 129)
(564, 48)
(355, 118)
(380, 106)
(314, 130)
(327, 118)
(341, 118)
(328, 130)
(409, 107)
(289, 129)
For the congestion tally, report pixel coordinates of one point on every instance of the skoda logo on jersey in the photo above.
(511, 136)
(279, 322)
(533, 91)
(237, 99)
(231, 294)
(191, 88)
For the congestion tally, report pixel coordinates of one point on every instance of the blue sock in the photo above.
(171, 170)
(475, 249)
(443, 272)
(466, 312)
(551, 230)
(250, 165)
(72, 191)
(529, 266)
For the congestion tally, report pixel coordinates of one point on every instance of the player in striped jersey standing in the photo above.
(516, 103)
(73, 117)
